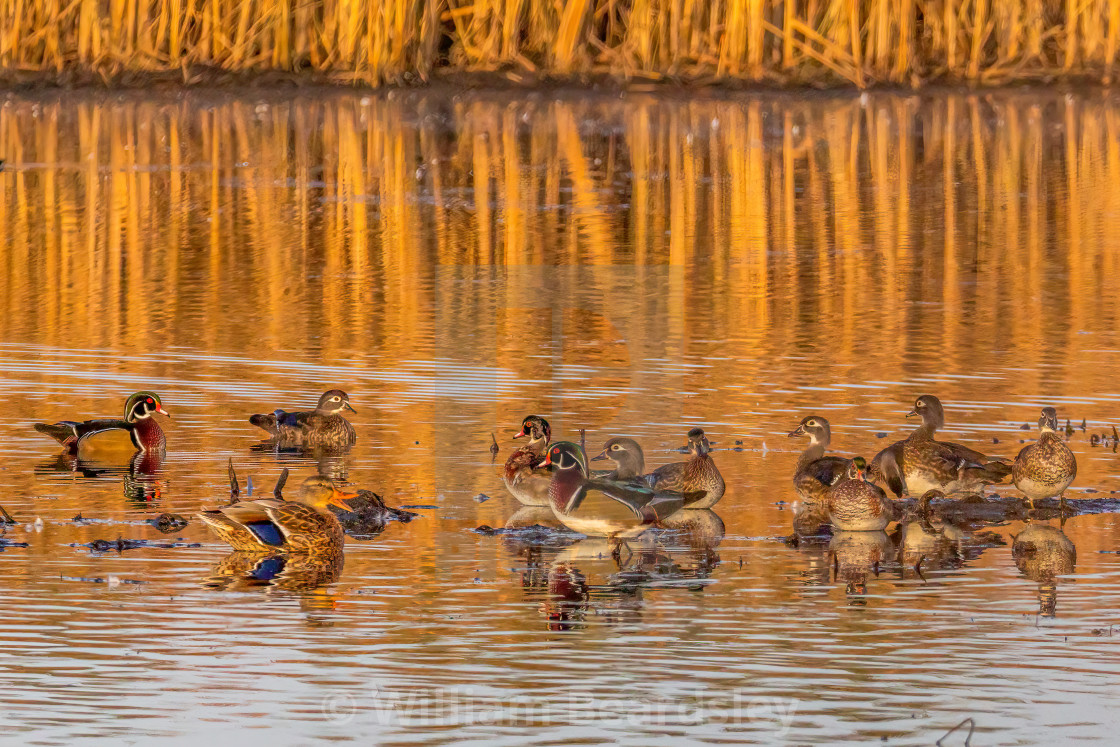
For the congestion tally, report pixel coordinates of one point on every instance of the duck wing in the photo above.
(828, 469)
(994, 465)
(303, 527)
(668, 477)
(70, 433)
(886, 467)
(245, 526)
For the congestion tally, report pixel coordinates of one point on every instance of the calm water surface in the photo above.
(630, 266)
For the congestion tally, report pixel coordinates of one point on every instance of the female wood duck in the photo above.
(525, 476)
(698, 478)
(856, 505)
(303, 525)
(323, 426)
(815, 472)
(1042, 553)
(920, 463)
(1047, 467)
(138, 430)
(629, 461)
(616, 510)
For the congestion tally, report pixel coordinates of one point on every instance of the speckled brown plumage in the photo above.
(921, 463)
(324, 426)
(304, 525)
(524, 475)
(1045, 468)
(855, 505)
(816, 473)
(698, 479)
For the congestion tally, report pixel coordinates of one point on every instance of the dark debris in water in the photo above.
(6, 543)
(481, 498)
(419, 505)
(120, 544)
(112, 580)
(6, 518)
(370, 515)
(531, 533)
(168, 523)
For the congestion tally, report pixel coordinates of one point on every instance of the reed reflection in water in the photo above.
(629, 267)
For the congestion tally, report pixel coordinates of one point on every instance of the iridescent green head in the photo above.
(858, 468)
(567, 455)
(141, 405)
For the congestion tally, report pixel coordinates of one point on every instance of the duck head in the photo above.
(698, 444)
(320, 492)
(626, 454)
(566, 455)
(816, 428)
(857, 468)
(930, 410)
(1048, 421)
(536, 428)
(141, 405)
(334, 401)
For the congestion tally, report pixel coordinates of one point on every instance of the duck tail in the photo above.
(64, 432)
(268, 423)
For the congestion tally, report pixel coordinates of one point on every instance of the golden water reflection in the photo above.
(628, 267)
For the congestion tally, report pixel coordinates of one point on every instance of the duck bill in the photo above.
(162, 411)
(348, 407)
(339, 499)
(798, 431)
(547, 459)
(520, 433)
(601, 456)
(912, 413)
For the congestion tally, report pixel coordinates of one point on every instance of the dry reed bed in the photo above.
(380, 41)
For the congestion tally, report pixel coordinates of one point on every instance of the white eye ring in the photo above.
(615, 447)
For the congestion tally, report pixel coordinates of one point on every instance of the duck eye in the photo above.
(151, 401)
(616, 447)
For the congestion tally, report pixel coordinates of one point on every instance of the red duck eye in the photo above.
(151, 401)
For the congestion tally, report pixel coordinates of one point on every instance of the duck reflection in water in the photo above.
(141, 481)
(927, 540)
(1042, 553)
(332, 463)
(856, 555)
(246, 571)
(597, 578)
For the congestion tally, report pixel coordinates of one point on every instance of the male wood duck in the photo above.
(525, 476)
(323, 426)
(302, 525)
(629, 461)
(856, 505)
(618, 510)
(1045, 468)
(138, 431)
(698, 479)
(920, 463)
(815, 472)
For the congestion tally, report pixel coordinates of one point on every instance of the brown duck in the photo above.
(920, 463)
(525, 475)
(302, 525)
(629, 461)
(323, 426)
(698, 479)
(1047, 467)
(856, 505)
(816, 473)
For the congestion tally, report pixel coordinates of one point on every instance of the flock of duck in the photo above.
(617, 503)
